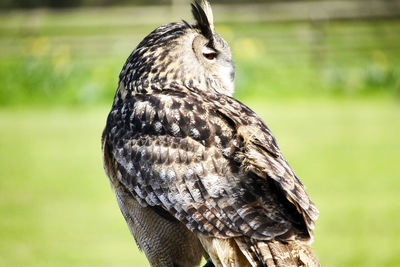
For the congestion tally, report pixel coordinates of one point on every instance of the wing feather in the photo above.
(219, 173)
(261, 155)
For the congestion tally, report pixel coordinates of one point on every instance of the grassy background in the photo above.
(74, 57)
(57, 207)
(329, 92)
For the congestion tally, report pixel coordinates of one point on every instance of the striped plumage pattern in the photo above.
(197, 173)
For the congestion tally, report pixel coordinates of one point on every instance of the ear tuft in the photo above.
(204, 17)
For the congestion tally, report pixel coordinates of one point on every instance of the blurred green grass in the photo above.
(328, 91)
(73, 58)
(57, 208)
(56, 205)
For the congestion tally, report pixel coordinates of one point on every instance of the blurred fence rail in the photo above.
(122, 26)
(309, 10)
(255, 12)
(339, 46)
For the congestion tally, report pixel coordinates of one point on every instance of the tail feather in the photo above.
(242, 251)
(224, 252)
(257, 254)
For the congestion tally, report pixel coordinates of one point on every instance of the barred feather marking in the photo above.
(224, 252)
(241, 251)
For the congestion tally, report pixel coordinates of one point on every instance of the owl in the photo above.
(196, 173)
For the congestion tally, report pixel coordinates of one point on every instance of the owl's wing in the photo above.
(261, 155)
(195, 159)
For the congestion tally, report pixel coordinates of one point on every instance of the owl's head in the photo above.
(181, 55)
